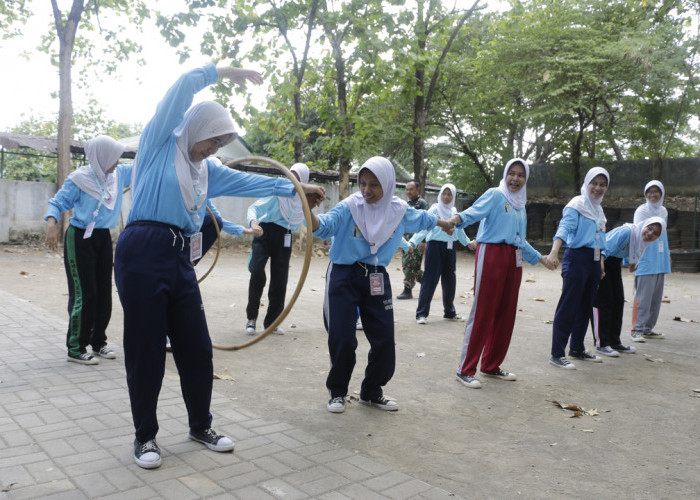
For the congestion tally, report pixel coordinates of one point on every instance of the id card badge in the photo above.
(376, 284)
(287, 240)
(518, 257)
(450, 243)
(596, 254)
(88, 230)
(661, 247)
(195, 246)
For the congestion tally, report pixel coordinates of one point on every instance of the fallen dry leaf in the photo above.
(530, 281)
(666, 301)
(587, 430)
(696, 390)
(225, 375)
(578, 410)
(548, 322)
(292, 325)
(24, 273)
(653, 360)
(420, 354)
(539, 299)
(684, 320)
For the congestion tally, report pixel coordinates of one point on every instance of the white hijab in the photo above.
(637, 244)
(650, 209)
(203, 121)
(378, 221)
(101, 152)
(292, 209)
(518, 199)
(587, 206)
(446, 211)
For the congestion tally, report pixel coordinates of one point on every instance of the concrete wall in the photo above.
(22, 207)
(681, 177)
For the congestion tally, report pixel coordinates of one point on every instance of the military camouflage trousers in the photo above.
(412, 272)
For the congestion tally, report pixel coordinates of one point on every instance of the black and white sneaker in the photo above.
(628, 349)
(214, 441)
(562, 363)
(147, 455)
(382, 403)
(83, 358)
(653, 335)
(105, 352)
(585, 356)
(336, 405)
(608, 351)
(503, 375)
(250, 327)
(469, 381)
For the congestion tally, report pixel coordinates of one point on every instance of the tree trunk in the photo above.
(419, 115)
(298, 140)
(345, 161)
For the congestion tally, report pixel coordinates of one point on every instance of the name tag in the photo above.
(661, 247)
(596, 254)
(518, 257)
(195, 246)
(88, 230)
(450, 243)
(376, 284)
(287, 240)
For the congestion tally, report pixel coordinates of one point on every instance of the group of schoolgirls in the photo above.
(172, 180)
(591, 270)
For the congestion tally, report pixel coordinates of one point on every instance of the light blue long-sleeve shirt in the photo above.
(578, 231)
(437, 234)
(500, 223)
(156, 190)
(83, 205)
(226, 226)
(268, 210)
(349, 246)
(657, 256)
(617, 242)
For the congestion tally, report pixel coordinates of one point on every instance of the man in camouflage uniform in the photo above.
(411, 262)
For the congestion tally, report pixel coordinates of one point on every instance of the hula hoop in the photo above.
(218, 239)
(307, 257)
(218, 245)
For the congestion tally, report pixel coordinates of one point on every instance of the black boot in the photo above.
(406, 293)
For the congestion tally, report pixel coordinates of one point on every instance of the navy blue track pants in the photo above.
(581, 274)
(440, 265)
(347, 288)
(159, 293)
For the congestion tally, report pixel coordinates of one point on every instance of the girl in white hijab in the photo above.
(94, 193)
(650, 271)
(276, 217)
(366, 228)
(627, 242)
(440, 259)
(502, 248)
(582, 228)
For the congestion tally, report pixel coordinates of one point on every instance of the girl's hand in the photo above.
(51, 234)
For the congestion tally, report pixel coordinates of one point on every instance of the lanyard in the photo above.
(518, 229)
(103, 195)
(197, 195)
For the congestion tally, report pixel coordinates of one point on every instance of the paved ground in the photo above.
(65, 429)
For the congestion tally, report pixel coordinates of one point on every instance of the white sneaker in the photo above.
(469, 381)
(336, 405)
(250, 327)
(502, 374)
(422, 320)
(608, 351)
(382, 403)
(456, 317)
(278, 331)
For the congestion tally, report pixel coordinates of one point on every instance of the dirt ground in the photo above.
(640, 438)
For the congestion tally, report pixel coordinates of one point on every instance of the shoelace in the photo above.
(213, 435)
(338, 400)
(149, 446)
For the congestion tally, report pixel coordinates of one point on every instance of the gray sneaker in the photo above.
(382, 403)
(624, 348)
(585, 356)
(83, 358)
(608, 351)
(250, 327)
(654, 335)
(212, 440)
(336, 405)
(469, 381)
(637, 337)
(147, 455)
(105, 352)
(562, 363)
